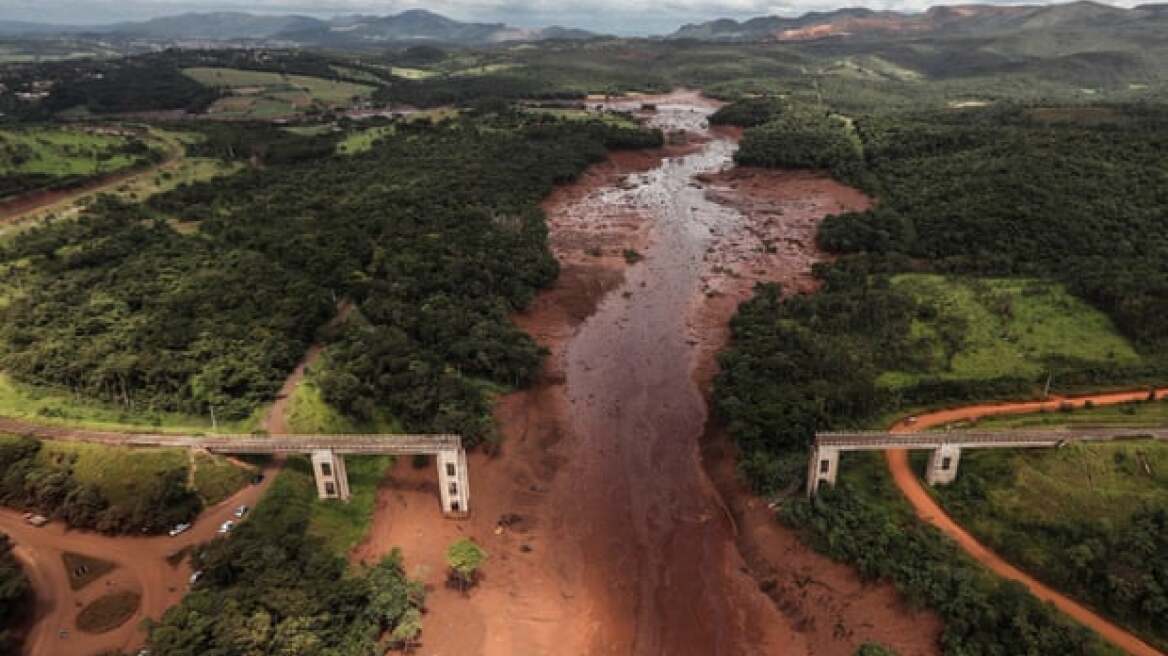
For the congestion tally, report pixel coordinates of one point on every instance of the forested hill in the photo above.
(973, 278)
(435, 233)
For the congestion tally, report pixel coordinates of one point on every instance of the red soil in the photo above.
(930, 511)
(142, 565)
(605, 534)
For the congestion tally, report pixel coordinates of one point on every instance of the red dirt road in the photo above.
(930, 511)
(141, 561)
(142, 568)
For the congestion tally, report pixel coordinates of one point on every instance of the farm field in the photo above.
(363, 140)
(46, 158)
(66, 151)
(975, 329)
(256, 94)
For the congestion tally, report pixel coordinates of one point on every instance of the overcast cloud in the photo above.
(614, 16)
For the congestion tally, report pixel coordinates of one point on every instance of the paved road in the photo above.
(930, 511)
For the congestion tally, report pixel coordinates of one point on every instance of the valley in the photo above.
(635, 277)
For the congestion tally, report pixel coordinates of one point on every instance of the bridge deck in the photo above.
(342, 444)
(865, 440)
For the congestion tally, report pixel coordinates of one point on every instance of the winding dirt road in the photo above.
(930, 511)
(142, 562)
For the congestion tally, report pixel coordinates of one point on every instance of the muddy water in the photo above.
(604, 532)
(634, 486)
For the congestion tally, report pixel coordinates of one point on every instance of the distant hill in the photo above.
(969, 20)
(413, 26)
(217, 25)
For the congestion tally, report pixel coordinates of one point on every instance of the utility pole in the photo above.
(1046, 391)
(214, 426)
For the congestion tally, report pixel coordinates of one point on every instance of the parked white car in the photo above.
(241, 511)
(196, 576)
(179, 529)
(226, 527)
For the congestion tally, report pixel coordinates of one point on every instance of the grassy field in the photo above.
(124, 475)
(256, 94)
(59, 407)
(1127, 414)
(1104, 482)
(361, 141)
(344, 524)
(990, 328)
(585, 115)
(217, 478)
(412, 73)
(341, 525)
(62, 151)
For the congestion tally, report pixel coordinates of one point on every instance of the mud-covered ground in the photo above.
(606, 534)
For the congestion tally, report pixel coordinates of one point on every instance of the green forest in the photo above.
(15, 592)
(434, 234)
(1090, 520)
(273, 589)
(1073, 197)
(47, 481)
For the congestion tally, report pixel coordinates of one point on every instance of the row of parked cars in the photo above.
(224, 528)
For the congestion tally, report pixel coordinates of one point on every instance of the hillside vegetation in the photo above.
(435, 234)
(111, 489)
(1005, 248)
(1091, 520)
(14, 595)
(39, 158)
(273, 588)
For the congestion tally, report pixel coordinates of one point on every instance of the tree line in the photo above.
(271, 588)
(48, 487)
(15, 593)
(435, 234)
(1000, 191)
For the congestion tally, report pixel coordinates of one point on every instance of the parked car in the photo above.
(179, 529)
(226, 527)
(35, 519)
(241, 511)
(196, 576)
(257, 479)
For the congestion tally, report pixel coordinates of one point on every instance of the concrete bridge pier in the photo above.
(823, 467)
(332, 480)
(453, 482)
(943, 461)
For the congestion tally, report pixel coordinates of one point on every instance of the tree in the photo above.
(464, 558)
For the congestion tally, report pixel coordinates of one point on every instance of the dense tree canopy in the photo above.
(434, 233)
(272, 589)
(14, 596)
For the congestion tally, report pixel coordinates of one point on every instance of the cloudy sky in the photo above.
(615, 16)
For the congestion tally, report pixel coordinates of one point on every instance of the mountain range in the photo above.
(957, 20)
(413, 26)
(421, 26)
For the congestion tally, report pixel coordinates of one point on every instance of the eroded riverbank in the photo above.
(606, 534)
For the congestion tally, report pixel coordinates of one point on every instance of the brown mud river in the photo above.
(605, 533)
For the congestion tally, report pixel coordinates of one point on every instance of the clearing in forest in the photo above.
(979, 329)
(258, 94)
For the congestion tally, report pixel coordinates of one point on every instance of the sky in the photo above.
(625, 17)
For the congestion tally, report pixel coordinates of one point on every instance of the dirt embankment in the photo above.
(606, 535)
(930, 511)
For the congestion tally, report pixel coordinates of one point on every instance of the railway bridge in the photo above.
(327, 453)
(946, 447)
